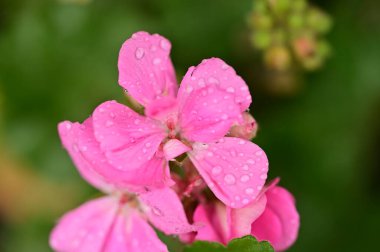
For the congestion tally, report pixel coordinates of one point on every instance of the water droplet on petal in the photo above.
(109, 123)
(156, 211)
(244, 178)
(263, 176)
(251, 161)
(75, 147)
(229, 179)
(249, 190)
(189, 89)
(230, 90)
(245, 201)
(216, 170)
(156, 61)
(245, 167)
(259, 153)
(165, 45)
(139, 53)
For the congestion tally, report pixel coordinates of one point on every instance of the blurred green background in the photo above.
(58, 60)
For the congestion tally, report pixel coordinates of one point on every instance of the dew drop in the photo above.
(109, 123)
(189, 89)
(75, 147)
(216, 170)
(230, 90)
(245, 201)
(201, 83)
(263, 176)
(139, 53)
(224, 116)
(165, 45)
(244, 178)
(156, 211)
(229, 179)
(249, 190)
(156, 61)
(245, 167)
(251, 161)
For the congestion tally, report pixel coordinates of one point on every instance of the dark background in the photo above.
(58, 60)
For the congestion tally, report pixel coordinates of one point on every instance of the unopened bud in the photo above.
(318, 20)
(261, 39)
(278, 58)
(247, 129)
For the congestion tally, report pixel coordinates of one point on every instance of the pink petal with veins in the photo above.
(215, 72)
(86, 228)
(279, 224)
(132, 233)
(94, 166)
(127, 138)
(165, 211)
(207, 114)
(174, 148)
(145, 68)
(233, 168)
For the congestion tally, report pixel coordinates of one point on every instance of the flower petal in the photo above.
(214, 219)
(207, 114)
(133, 234)
(127, 138)
(174, 148)
(164, 209)
(241, 218)
(69, 133)
(85, 229)
(280, 222)
(215, 72)
(95, 167)
(233, 168)
(145, 68)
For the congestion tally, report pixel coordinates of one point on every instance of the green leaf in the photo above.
(245, 244)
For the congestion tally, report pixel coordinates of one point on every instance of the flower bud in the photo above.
(277, 58)
(247, 129)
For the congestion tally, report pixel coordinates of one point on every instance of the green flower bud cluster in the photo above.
(289, 32)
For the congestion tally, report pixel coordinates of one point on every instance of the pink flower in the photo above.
(193, 120)
(117, 222)
(272, 217)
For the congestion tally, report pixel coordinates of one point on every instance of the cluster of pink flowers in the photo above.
(187, 166)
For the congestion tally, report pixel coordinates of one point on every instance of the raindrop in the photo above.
(249, 190)
(263, 176)
(230, 90)
(157, 211)
(244, 178)
(109, 123)
(139, 53)
(165, 45)
(216, 170)
(156, 61)
(229, 179)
